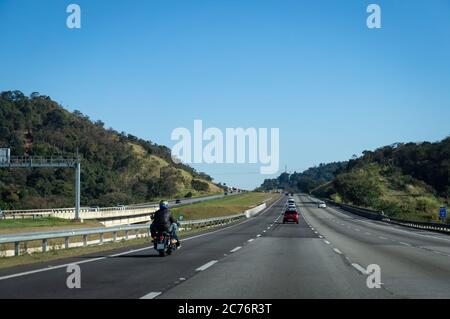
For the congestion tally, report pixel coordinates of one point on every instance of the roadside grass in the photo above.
(222, 207)
(20, 225)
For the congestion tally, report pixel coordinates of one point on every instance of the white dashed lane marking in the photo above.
(360, 269)
(207, 265)
(235, 249)
(151, 295)
(405, 244)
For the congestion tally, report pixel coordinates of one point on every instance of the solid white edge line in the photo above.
(151, 295)
(206, 266)
(124, 253)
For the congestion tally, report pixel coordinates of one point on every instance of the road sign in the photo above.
(442, 212)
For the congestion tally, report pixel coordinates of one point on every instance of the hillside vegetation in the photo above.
(305, 181)
(116, 167)
(404, 180)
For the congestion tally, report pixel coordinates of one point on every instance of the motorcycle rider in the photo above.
(164, 221)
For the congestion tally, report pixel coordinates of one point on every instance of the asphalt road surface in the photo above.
(325, 256)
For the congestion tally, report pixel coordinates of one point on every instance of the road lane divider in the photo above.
(360, 268)
(151, 295)
(235, 249)
(405, 244)
(207, 265)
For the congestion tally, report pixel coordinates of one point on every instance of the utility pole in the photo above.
(77, 189)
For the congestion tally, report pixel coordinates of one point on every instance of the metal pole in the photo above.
(77, 190)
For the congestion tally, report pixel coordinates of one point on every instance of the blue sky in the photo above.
(311, 68)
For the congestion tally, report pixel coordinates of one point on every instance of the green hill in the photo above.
(116, 167)
(404, 180)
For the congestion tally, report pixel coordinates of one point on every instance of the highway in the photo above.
(324, 256)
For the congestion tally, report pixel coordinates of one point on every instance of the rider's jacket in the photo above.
(163, 219)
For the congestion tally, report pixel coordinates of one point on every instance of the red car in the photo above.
(290, 216)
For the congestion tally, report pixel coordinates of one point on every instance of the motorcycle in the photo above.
(164, 244)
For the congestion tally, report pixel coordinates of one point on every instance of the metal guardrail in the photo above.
(17, 239)
(381, 216)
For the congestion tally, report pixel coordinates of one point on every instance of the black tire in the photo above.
(162, 253)
(169, 251)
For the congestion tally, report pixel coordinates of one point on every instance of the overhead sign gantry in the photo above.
(8, 161)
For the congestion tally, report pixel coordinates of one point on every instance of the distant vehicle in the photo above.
(291, 201)
(290, 215)
(322, 205)
(178, 201)
(94, 208)
(292, 194)
(287, 194)
(225, 193)
(121, 207)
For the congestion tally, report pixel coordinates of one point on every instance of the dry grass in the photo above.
(223, 206)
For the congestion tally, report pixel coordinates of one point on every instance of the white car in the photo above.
(322, 205)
